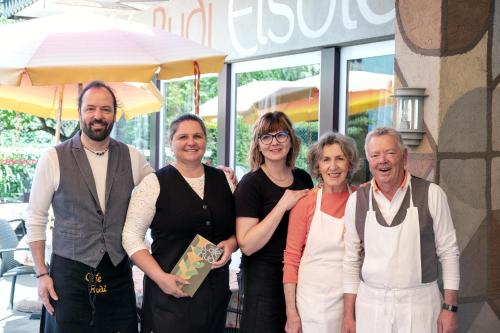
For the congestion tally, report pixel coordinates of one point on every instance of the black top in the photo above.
(255, 196)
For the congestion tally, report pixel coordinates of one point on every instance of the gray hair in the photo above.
(347, 145)
(379, 131)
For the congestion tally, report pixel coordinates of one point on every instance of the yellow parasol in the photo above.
(77, 48)
(134, 99)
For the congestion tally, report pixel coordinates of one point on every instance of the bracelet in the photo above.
(42, 274)
(449, 307)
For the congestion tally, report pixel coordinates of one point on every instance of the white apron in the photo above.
(319, 293)
(392, 297)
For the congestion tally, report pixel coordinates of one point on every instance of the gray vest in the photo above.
(420, 196)
(82, 232)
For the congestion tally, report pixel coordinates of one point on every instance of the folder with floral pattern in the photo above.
(196, 262)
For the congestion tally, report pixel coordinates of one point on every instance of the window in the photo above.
(136, 132)
(367, 73)
(179, 100)
(289, 84)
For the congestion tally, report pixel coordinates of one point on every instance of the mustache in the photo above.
(98, 122)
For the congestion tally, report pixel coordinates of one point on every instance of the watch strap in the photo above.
(449, 307)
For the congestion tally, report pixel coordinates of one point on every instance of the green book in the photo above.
(196, 262)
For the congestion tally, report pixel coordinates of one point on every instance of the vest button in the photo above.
(204, 206)
(101, 250)
(208, 223)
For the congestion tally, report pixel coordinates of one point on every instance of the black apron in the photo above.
(205, 312)
(97, 300)
(264, 308)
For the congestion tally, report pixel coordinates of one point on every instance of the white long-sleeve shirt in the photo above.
(46, 182)
(142, 209)
(444, 232)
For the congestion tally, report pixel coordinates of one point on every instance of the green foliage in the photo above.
(179, 100)
(243, 141)
(308, 134)
(358, 126)
(17, 167)
(18, 128)
(22, 139)
(135, 132)
(284, 74)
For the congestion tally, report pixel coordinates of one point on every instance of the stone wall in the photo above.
(452, 48)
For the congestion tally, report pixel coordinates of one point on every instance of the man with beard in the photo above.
(88, 180)
(398, 228)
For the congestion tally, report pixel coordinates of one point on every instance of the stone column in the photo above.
(452, 48)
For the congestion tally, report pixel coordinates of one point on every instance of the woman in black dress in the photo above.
(177, 202)
(263, 199)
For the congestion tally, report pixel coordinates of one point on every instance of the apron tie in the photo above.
(92, 293)
(392, 305)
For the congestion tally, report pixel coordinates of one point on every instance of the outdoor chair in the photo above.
(8, 265)
(19, 227)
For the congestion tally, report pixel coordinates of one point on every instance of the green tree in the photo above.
(281, 74)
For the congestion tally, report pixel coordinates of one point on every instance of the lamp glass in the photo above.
(409, 112)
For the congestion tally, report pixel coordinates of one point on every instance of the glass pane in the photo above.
(292, 90)
(135, 132)
(23, 139)
(369, 103)
(179, 100)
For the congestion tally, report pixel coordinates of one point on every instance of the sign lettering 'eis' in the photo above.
(266, 26)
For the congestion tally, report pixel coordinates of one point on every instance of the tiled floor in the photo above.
(16, 321)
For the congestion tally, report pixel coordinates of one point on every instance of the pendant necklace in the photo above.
(98, 153)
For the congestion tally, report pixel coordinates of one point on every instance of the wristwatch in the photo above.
(449, 307)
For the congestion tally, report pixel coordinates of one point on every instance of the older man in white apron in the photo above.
(398, 227)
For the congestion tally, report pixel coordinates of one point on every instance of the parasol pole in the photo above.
(59, 114)
(196, 90)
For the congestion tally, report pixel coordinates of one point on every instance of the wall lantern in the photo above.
(409, 114)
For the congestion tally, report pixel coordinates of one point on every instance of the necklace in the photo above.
(276, 179)
(98, 153)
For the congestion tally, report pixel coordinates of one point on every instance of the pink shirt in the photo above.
(299, 224)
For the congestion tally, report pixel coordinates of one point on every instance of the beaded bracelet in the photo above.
(40, 275)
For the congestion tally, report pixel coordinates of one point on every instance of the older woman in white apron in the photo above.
(315, 244)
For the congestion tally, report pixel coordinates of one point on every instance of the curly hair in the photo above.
(347, 145)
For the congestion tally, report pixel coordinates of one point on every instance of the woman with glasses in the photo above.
(312, 274)
(263, 199)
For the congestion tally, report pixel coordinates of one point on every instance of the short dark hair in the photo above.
(174, 125)
(97, 84)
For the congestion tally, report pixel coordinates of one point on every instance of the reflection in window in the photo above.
(135, 132)
(369, 102)
(179, 100)
(292, 90)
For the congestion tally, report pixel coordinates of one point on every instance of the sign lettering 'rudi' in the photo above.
(245, 28)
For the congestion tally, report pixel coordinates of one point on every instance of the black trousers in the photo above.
(92, 301)
(264, 309)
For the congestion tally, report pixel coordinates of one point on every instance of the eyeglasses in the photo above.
(267, 139)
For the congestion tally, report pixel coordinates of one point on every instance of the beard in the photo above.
(97, 135)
